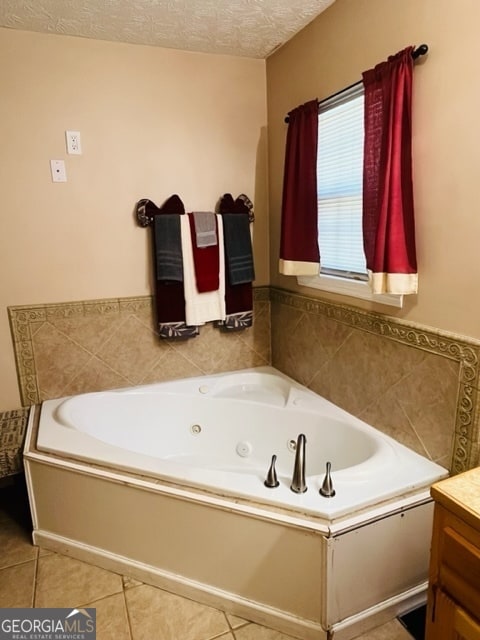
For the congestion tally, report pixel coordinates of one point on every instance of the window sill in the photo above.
(352, 288)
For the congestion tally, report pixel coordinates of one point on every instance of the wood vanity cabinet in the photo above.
(453, 608)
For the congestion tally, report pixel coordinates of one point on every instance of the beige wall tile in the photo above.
(91, 335)
(428, 397)
(57, 358)
(386, 415)
(71, 348)
(131, 350)
(239, 355)
(416, 384)
(257, 338)
(284, 321)
(172, 366)
(95, 375)
(363, 368)
(413, 383)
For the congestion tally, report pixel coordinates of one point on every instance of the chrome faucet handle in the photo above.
(271, 481)
(327, 490)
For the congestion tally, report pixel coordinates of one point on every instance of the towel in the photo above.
(238, 297)
(238, 248)
(169, 298)
(209, 305)
(206, 259)
(168, 247)
(205, 228)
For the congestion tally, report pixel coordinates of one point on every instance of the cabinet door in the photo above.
(441, 617)
(465, 627)
(448, 621)
(459, 571)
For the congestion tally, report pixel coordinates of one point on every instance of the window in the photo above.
(339, 184)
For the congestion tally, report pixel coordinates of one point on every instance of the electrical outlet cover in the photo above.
(74, 144)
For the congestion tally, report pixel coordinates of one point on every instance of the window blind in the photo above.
(339, 183)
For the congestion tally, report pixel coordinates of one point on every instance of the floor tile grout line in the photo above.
(92, 602)
(220, 635)
(35, 574)
(227, 621)
(129, 622)
(230, 631)
(17, 564)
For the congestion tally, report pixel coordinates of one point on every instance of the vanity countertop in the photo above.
(461, 495)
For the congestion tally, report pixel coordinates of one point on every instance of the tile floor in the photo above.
(126, 608)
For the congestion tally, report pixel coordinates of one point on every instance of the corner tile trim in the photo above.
(464, 350)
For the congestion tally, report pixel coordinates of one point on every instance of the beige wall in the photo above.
(331, 53)
(157, 121)
(153, 122)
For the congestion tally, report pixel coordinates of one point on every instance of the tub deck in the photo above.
(218, 433)
(297, 569)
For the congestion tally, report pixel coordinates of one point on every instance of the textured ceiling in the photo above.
(251, 28)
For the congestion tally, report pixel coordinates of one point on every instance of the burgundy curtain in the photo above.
(388, 216)
(299, 254)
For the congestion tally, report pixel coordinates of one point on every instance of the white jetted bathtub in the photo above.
(166, 482)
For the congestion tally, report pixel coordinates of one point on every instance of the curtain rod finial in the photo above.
(421, 50)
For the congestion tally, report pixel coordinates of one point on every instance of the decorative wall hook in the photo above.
(144, 211)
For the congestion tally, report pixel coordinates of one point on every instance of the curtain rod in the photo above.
(421, 50)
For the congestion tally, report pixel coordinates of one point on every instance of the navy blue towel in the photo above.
(238, 248)
(168, 247)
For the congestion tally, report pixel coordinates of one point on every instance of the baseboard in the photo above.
(203, 593)
(231, 603)
(380, 614)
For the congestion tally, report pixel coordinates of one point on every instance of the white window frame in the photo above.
(352, 287)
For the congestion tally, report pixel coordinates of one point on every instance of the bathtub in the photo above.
(155, 481)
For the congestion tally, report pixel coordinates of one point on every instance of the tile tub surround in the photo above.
(415, 383)
(13, 426)
(76, 347)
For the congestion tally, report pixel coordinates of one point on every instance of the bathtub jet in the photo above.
(181, 466)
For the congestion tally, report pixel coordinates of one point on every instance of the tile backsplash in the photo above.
(70, 348)
(415, 383)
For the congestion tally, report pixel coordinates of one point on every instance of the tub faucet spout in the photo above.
(298, 479)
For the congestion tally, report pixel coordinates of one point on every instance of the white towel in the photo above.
(208, 306)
